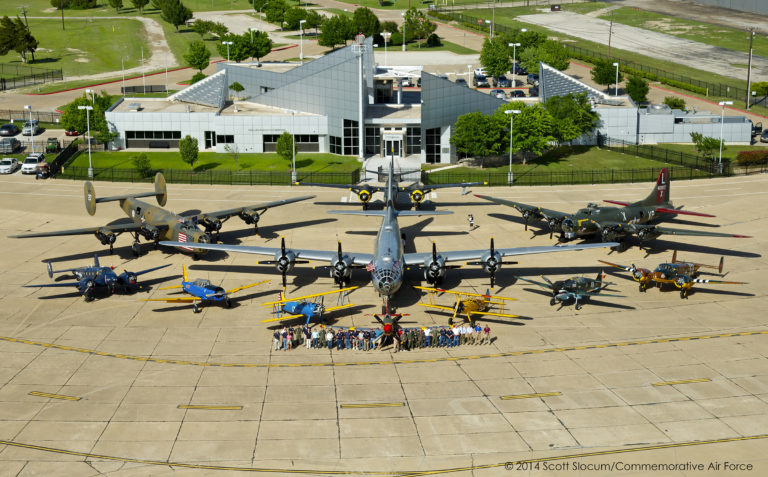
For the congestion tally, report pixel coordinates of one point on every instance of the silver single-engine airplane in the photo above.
(155, 223)
(388, 262)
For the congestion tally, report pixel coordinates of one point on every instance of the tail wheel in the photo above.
(552, 302)
(228, 303)
(195, 308)
(578, 306)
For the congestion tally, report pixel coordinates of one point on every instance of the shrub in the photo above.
(142, 165)
(674, 102)
(433, 40)
(748, 158)
(396, 39)
(197, 77)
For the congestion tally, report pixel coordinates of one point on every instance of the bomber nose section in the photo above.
(386, 280)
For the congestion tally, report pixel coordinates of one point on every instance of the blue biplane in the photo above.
(202, 291)
(308, 306)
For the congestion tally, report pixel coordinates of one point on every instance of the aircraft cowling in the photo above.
(647, 234)
(285, 263)
(568, 228)
(681, 281)
(364, 195)
(250, 217)
(641, 274)
(211, 225)
(128, 279)
(341, 269)
(106, 236)
(417, 196)
(150, 232)
(491, 262)
(434, 269)
(609, 234)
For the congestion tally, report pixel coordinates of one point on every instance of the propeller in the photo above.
(284, 261)
(340, 268)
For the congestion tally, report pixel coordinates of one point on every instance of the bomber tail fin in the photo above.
(660, 193)
(160, 193)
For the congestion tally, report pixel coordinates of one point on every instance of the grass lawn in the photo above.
(729, 151)
(213, 161)
(85, 47)
(717, 35)
(38, 8)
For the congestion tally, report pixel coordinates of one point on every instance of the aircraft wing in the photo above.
(152, 269)
(281, 318)
(340, 307)
(599, 294)
(60, 284)
(235, 290)
(296, 298)
(438, 307)
(120, 228)
(546, 213)
(357, 258)
(541, 284)
(429, 188)
(458, 255)
(180, 299)
(658, 229)
(614, 265)
(227, 213)
(490, 313)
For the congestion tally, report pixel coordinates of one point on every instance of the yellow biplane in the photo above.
(308, 306)
(468, 304)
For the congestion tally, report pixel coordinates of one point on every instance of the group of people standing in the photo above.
(367, 339)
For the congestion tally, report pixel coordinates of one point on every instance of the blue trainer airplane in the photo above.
(201, 290)
(302, 306)
(95, 278)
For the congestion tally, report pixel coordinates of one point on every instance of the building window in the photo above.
(335, 142)
(412, 141)
(351, 138)
(372, 140)
(304, 142)
(153, 134)
(225, 139)
(433, 145)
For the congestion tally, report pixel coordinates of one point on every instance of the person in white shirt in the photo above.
(427, 337)
(456, 334)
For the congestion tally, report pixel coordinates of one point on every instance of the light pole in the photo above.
(227, 43)
(301, 41)
(252, 29)
(722, 117)
(293, 144)
(31, 136)
(93, 96)
(616, 87)
(511, 112)
(514, 63)
(385, 35)
(490, 28)
(88, 109)
(403, 14)
(469, 76)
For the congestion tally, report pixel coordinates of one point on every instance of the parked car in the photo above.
(31, 128)
(31, 162)
(517, 93)
(461, 82)
(499, 93)
(9, 145)
(503, 82)
(533, 91)
(8, 165)
(71, 132)
(519, 70)
(52, 145)
(757, 128)
(9, 130)
(764, 136)
(481, 81)
(532, 79)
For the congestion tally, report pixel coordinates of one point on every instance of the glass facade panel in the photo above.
(372, 140)
(413, 141)
(433, 145)
(335, 142)
(351, 138)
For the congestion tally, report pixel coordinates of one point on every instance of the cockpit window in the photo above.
(201, 282)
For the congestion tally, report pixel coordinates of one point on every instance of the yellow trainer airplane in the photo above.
(302, 306)
(468, 304)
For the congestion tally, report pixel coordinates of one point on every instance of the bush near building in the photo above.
(750, 158)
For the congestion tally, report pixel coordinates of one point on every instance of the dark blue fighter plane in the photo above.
(95, 279)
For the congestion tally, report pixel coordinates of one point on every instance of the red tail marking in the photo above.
(661, 186)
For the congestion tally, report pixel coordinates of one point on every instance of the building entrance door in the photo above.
(393, 146)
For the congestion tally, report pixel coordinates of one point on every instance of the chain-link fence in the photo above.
(22, 116)
(669, 156)
(18, 76)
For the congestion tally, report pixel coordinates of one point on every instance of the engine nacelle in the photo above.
(417, 196)
(341, 269)
(647, 234)
(249, 217)
(211, 225)
(128, 279)
(491, 262)
(568, 228)
(681, 281)
(285, 263)
(106, 236)
(434, 269)
(150, 232)
(609, 234)
(364, 195)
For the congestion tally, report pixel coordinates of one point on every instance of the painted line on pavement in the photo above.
(581, 455)
(210, 408)
(683, 381)
(372, 404)
(526, 396)
(54, 396)
(373, 363)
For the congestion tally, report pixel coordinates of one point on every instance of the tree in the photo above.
(240, 48)
(604, 73)
(74, 118)
(261, 45)
(572, 116)
(637, 89)
(15, 36)
(417, 25)
(197, 77)
(275, 12)
(219, 29)
(335, 31)
(235, 151)
(314, 20)
(494, 57)
(550, 52)
(236, 87)
(139, 5)
(175, 13)
(674, 102)
(532, 130)
(198, 56)
(188, 150)
(116, 4)
(760, 88)
(142, 164)
(433, 41)
(474, 134)
(73, 4)
(293, 17)
(365, 21)
(201, 27)
(285, 146)
(527, 39)
(705, 145)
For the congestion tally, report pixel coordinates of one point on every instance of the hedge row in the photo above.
(746, 158)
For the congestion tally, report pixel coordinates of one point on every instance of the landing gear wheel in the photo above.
(683, 294)
(256, 229)
(450, 321)
(111, 249)
(552, 302)
(578, 306)
(642, 287)
(195, 308)
(88, 296)
(402, 236)
(136, 249)
(227, 303)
